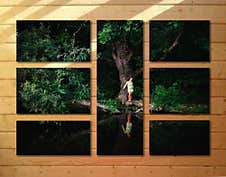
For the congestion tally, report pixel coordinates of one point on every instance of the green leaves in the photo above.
(167, 97)
(50, 90)
(116, 30)
(53, 41)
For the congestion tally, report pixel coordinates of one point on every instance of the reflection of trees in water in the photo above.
(56, 138)
(112, 139)
(179, 137)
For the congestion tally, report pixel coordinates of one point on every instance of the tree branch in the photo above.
(174, 44)
(137, 72)
(79, 28)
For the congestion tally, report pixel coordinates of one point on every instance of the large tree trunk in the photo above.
(122, 54)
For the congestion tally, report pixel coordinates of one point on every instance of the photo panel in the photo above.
(179, 91)
(53, 138)
(53, 41)
(179, 137)
(53, 91)
(179, 40)
(120, 87)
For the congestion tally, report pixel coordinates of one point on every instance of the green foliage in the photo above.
(108, 74)
(51, 90)
(112, 104)
(52, 41)
(181, 91)
(116, 30)
(167, 98)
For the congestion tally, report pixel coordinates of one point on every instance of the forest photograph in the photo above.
(48, 41)
(53, 138)
(120, 87)
(179, 91)
(172, 40)
(53, 91)
(186, 137)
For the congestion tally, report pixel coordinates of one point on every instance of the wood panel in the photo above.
(7, 88)
(8, 157)
(8, 69)
(8, 122)
(7, 33)
(220, 171)
(218, 51)
(7, 105)
(217, 33)
(109, 2)
(218, 88)
(109, 171)
(159, 166)
(8, 52)
(214, 13)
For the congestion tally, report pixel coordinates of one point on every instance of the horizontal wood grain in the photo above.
(218, 140)
(217, 33)
(220, 171)
(8, 122)
(142, 12)
(8, 33)
(110, 171)
(8, 88)
(7, 105)
(8, 140)
(8, 52)
(8, 69)
(218, 105)
(218, 88)
(218, 51)
(179, 64)
(217, 70)
(8, 157)
(109, 2)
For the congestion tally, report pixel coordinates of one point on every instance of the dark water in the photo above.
(53, 138)
(179, 137)
(112, 140)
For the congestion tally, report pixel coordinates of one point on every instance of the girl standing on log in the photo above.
(129, 85)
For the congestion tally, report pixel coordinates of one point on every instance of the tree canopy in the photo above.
(46, 41)
(120, 55)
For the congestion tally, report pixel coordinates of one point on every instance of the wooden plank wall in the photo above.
(112, 166)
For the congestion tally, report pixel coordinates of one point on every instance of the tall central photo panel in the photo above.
(120, 87)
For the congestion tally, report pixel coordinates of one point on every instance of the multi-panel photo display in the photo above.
(120, 106)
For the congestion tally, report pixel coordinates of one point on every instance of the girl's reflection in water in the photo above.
(129, 125)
